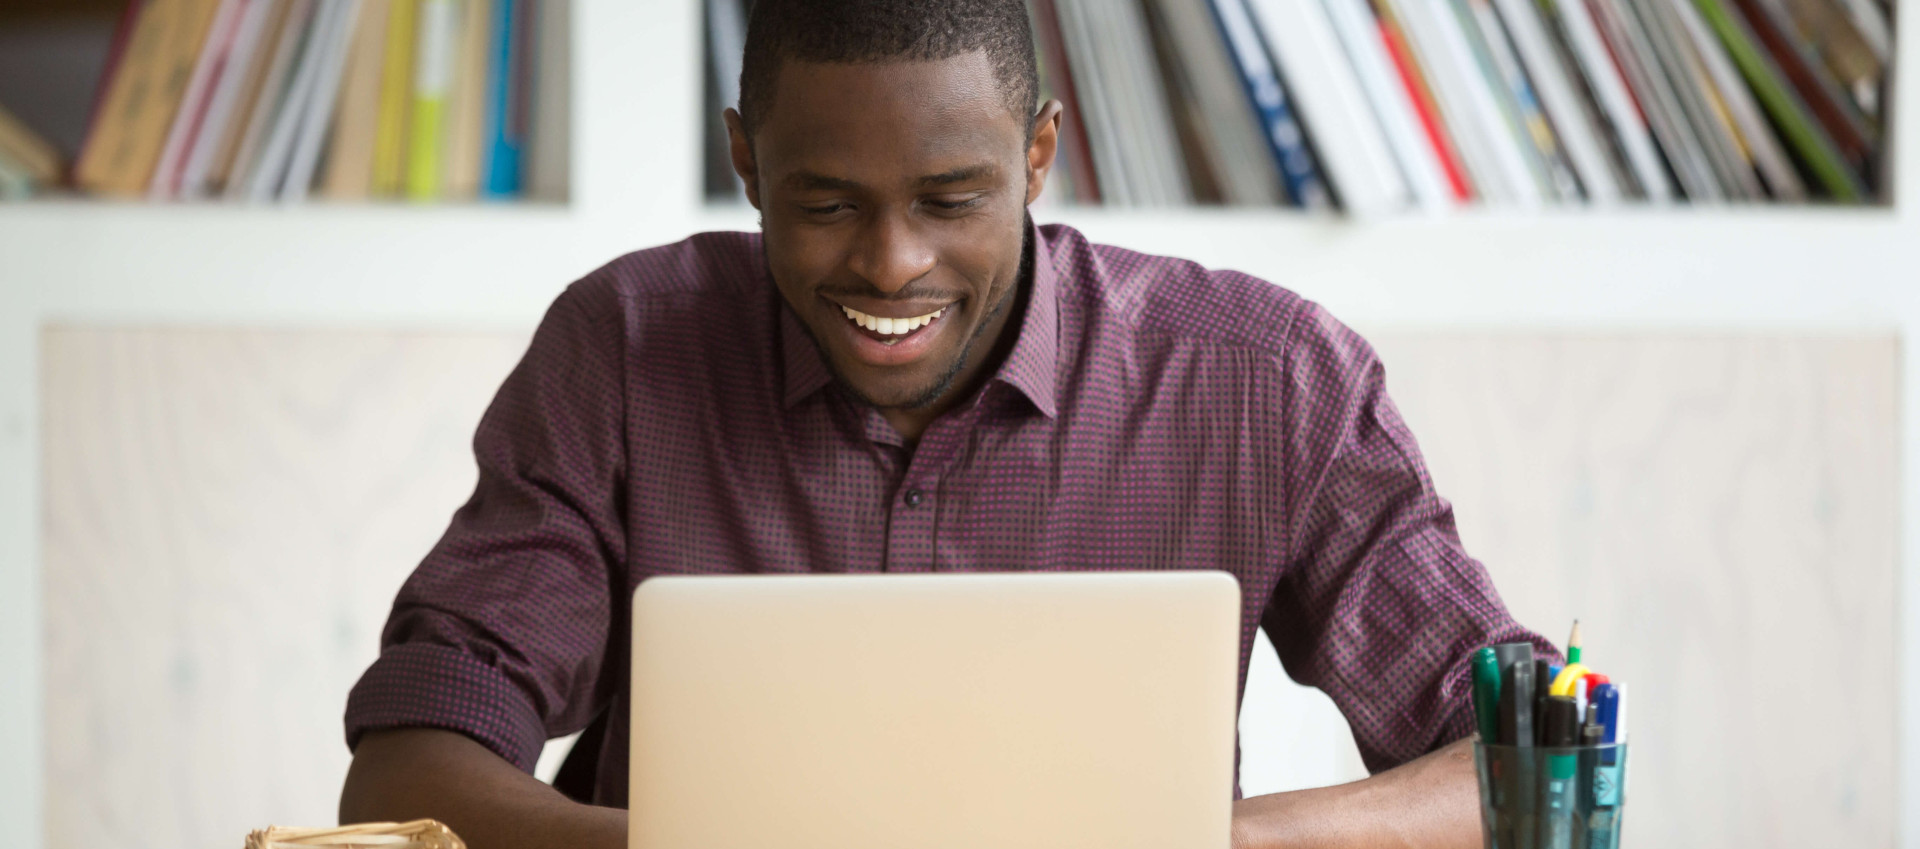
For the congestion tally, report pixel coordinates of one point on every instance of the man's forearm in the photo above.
(411, 773)
(1431, 802)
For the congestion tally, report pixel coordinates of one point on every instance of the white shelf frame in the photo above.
(635, 182)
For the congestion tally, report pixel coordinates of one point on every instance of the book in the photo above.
(1827, 27)
(267, 174)
(1565, 105)
(1487, 42)
(149, 82)
(396, 86)
(1299, 165)
(1414, 80)
(1755, 135)
(317, 119)
(549, 137)
(1200, 158)
(1126, 104)
(506, 118)
(433, 68)
(1819, 153)
(1058, 78)
(1658, 102)
(116, 50)
(32, 156)
(270, 98)
(1366, 179)
(466, 104)
(1228, 136)
(348, 172)
(1360, 34)
(1823, 95)
(1611, 111)
(195, 100)
(1697, 99)
(239, 80)
(1490, 149)
(16, 181)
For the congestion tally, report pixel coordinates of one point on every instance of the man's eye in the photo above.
(823, 209)
(954, 205)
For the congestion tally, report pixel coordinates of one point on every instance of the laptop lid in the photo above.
(949, 711)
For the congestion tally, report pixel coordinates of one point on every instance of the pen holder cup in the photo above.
(1551, 797)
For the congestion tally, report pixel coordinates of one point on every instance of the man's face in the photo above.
(892, 199)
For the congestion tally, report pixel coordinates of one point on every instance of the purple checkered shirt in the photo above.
(671, 416)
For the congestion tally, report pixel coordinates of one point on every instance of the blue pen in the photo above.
(1607, 696)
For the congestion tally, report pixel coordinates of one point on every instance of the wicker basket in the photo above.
(419, 834)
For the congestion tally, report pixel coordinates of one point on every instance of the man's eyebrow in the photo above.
(814, 181)
(958, 175)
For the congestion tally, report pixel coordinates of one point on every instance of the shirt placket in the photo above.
(913, 514)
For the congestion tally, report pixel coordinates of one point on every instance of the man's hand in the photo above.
(410, 773)
(1432, 802)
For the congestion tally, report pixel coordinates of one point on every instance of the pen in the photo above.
(1486, 693)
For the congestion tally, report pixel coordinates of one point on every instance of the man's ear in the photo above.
(1045, 143)
(741, 151)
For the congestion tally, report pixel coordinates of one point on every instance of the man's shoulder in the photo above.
(1166, 297)
(715, 264)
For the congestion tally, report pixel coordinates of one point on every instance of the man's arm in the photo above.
(412, 773)
(1431, 802)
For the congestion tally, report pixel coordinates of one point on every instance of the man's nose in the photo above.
(891, 254)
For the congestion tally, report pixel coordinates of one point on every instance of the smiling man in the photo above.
(902, 373)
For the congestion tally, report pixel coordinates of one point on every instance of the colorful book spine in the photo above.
(506, 112)
(1299, 168)
(433, 69)
(396, 86)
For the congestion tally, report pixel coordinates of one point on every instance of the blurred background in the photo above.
(1641, 271)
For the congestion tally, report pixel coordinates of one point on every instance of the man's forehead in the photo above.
(956, 102)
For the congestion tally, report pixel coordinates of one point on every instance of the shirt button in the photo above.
(914, 497)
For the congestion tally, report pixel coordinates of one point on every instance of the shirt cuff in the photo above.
(434, 686)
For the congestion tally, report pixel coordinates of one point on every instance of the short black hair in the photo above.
(869, 31)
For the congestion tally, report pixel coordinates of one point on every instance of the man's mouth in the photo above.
(888, 331)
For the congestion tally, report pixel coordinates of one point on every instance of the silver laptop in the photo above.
(952, 711)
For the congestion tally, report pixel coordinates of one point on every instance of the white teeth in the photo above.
(890, 326)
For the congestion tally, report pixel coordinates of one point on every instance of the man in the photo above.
(902, 373)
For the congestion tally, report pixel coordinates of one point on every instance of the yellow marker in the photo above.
(1563, 683)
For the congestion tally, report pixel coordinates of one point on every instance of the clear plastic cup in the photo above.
(1551, 797)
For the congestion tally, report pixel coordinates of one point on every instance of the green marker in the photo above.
(1486, 694)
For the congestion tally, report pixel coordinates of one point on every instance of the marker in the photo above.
(1606, 701)
(1573, 643)
(1516, 706)
(1560, 797)
(1486, 693)
(1505, 656)
(1543, 674)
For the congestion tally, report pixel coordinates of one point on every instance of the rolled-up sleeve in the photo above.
(501, 632)
(1378, 604)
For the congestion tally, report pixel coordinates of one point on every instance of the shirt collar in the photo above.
(1030, 367)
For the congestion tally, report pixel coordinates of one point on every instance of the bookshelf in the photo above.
(636, 181)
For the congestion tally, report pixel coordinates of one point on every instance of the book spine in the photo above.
(502, 170)
(1819, 153)
(194, 101)
(396, 84)
(1420, 92)
(1359, 32)
(432, 79)
(1299, 168)
(317, 118)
